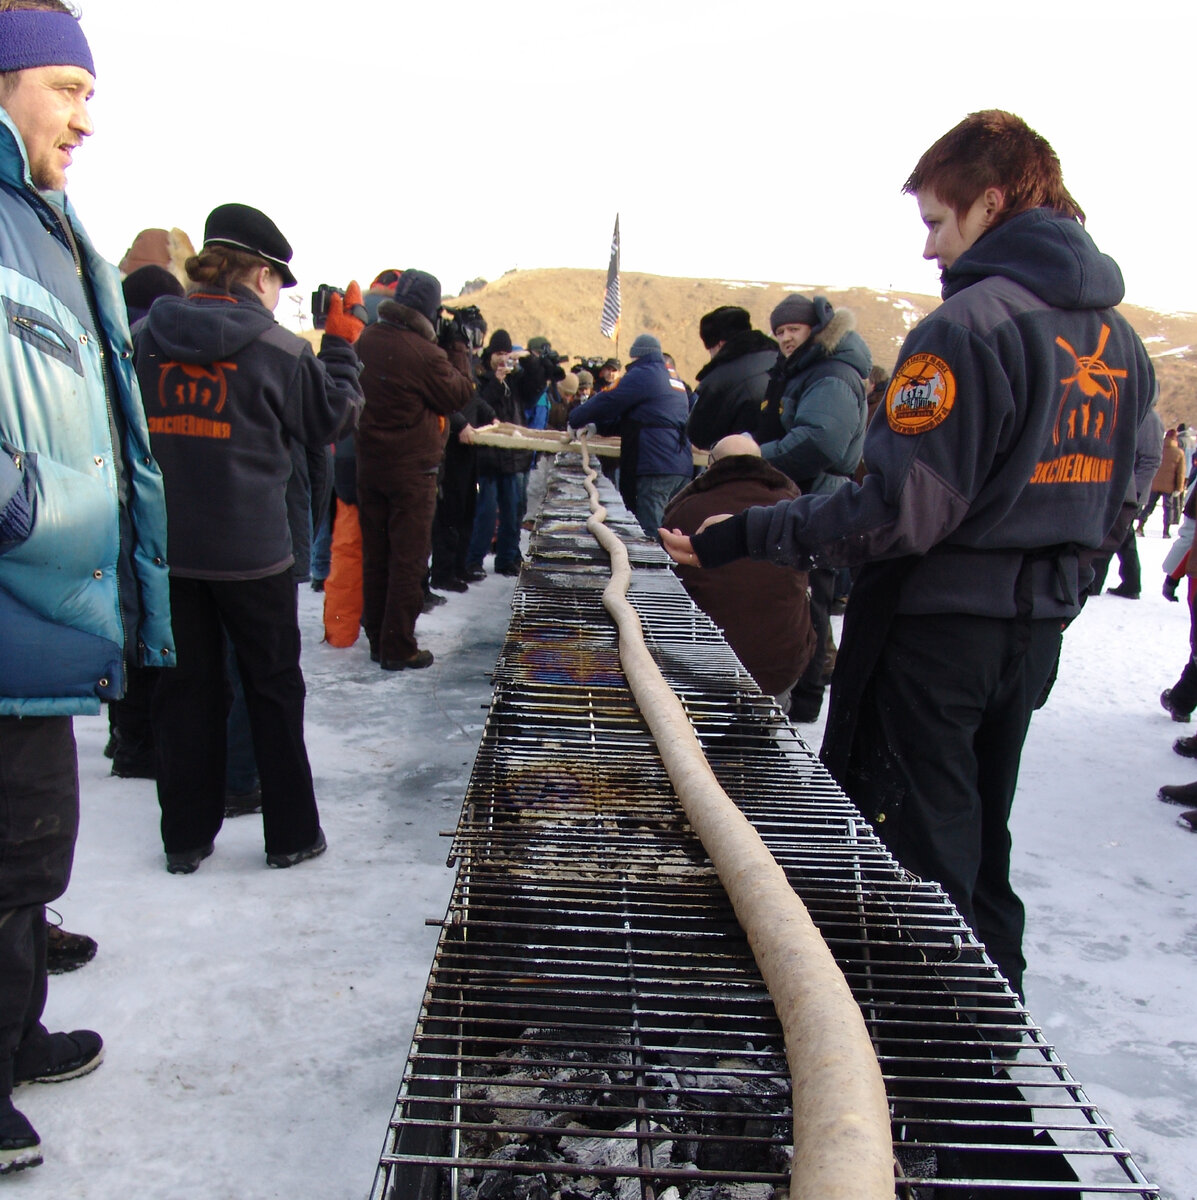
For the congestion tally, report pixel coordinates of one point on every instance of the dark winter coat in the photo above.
(813, 423)
(498, 400)
(411, 389)
(1009, 436)
(731, 388)
(648, 413)
(226, 391)
(763, 610)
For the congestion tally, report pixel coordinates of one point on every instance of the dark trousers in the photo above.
(452, 524)
(191, 706)
(808, 691)
(396, 518)
(936, 756)
(39, 820)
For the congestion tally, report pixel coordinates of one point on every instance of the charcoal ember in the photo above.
(505, 1184)
(582, 1187)
(617, 1152)
(734, 1191)
(583, 1091)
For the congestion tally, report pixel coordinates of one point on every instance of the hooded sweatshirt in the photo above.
(226, 392)
(1009, 436)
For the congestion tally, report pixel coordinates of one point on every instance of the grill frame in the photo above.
(571, 848)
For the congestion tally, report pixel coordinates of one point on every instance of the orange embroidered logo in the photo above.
(184, 384)
(1087, 408)
(920, 395)
(189, 386)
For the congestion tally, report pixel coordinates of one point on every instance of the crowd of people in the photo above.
(964, 506)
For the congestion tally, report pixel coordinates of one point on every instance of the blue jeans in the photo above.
(653, 492)
(322, 548)
(497, 494)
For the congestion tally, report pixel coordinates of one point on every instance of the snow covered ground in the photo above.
(257, 1021)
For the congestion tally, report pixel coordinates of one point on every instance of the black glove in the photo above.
(1170, 589)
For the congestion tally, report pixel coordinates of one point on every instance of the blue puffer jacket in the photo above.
(62, 634)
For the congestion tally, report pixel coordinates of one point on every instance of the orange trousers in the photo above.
(343, 587)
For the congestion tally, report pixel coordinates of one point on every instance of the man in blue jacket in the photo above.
(83, 570)
(1005, 458)
(649, 414)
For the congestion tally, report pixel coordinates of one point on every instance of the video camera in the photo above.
(320, 300)
(461, 325)
(591, 363)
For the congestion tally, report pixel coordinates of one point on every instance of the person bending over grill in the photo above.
(763, 609)
(1004, 459)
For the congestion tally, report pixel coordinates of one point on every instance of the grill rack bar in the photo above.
(590, 970)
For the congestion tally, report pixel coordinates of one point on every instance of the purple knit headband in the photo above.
(34, 38)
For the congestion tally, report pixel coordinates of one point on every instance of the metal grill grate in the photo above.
(594, 1023)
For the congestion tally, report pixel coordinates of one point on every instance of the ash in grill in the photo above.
(594, 1023)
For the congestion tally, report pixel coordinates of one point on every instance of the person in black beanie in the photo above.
(500, 471)
(730, 389)
(143, 286)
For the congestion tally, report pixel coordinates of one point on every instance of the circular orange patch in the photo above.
(920, 395)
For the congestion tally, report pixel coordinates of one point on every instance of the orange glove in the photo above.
(346, 318)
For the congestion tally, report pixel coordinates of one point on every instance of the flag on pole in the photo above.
(609, 326)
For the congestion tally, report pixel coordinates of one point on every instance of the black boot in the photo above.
(1181, 698)
(1179, 793)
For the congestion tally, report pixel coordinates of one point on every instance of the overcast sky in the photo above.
(758, 141)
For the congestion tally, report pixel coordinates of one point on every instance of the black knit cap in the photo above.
(143, 286)
(500, 343)
(721, 323)
(419, 290)
(243, 228)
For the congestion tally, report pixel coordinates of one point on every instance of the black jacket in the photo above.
(731, 388)
(226, 392)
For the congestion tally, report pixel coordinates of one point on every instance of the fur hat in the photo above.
(419, 290)
(241, 227)
(643, 346)
(793, 310)
(720, 323)
(585, 379)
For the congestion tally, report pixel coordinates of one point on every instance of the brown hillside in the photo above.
(564, 304)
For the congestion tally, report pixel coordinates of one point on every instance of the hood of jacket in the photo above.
(837, 339)
(209, 325)
(750, 341)
(394, 313)
(1046, 253)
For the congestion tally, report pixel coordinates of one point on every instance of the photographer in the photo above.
(500, 472)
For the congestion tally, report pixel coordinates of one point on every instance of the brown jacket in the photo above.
(1171, 474)
(411, 389)
(763, 609)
